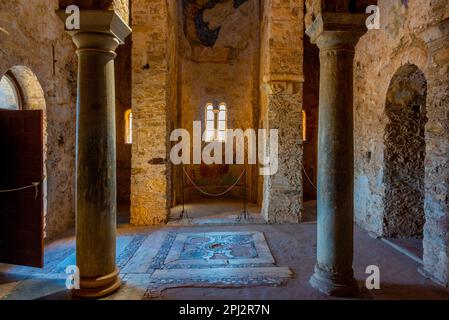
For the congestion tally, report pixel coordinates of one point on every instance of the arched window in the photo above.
(304, 125)
(210, 122)
(216, 122)
(222, 125)
(9, 94)
(128, 127)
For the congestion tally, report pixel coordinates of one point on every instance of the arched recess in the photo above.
(33, 98)
(405, 151)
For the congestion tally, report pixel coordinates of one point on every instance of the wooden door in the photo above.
(21, 164)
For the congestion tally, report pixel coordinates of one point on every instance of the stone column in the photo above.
(100, 34)
(336, 35)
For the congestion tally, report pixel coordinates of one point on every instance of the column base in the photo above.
(332, 284)
(97, 288)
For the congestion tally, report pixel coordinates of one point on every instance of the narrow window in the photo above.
(222, 126)
(128, 127)
(9, 94)
(216, 123)
(304, 126)
(210, 123)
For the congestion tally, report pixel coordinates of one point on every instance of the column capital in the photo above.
(277, 83)
(105, 22)
(337, 30)
(434, 35)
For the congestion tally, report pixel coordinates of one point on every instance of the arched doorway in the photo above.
(23, 173)
(30, 96)
(405, 150)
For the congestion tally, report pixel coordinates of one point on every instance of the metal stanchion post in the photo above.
(245, 211)
(183, 200)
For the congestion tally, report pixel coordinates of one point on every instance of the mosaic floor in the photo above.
(151, 263)
(226, 262)
(215, 258)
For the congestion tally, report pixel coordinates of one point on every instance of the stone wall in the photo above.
(43, 60)
(282, 34)
(153, 94)
(404, 39)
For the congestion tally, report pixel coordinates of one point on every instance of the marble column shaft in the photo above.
(333, 272)
(100, 34)
(96, 155)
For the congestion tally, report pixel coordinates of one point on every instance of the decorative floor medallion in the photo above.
(222, 259)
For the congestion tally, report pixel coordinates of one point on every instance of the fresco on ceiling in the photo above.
(195, 28)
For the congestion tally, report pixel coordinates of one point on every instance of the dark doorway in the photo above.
(405, 150)
(21, 165)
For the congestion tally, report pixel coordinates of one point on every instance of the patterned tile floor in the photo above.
(157, 261)
(225, 259)
(218, 247)
(213, 262)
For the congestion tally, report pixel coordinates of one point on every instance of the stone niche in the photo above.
(405, 149)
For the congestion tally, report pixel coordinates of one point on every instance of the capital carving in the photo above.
(281, 83)
(99, 21)
(337, 30)
(283, 87)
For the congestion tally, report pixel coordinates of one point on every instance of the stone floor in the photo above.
(215, 212)
(410, 246)
(214, 262)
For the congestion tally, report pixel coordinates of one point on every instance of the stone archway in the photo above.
(33, 98)
(405, 150)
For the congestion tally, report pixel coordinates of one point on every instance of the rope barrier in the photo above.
(211, 194)
(308, 178)
(33, 185)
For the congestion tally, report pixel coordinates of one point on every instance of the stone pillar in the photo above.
(281, 67)
(282, 202)
(100, 34)
(153, 84)
(336, 35)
